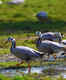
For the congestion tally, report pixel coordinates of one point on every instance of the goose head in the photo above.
(12, 40)
(38, 33)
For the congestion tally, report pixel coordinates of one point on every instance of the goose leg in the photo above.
(55, 56)
(29, 68)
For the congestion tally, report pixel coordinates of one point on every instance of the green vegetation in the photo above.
(32, 63)
(15, 18)
(20, 22)
(34, 76)
(2, 77)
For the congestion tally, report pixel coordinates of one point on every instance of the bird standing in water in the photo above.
(24, 53)
(50, 47)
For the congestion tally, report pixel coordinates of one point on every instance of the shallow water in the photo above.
(56, 71)
(52, 70)
(13, 72)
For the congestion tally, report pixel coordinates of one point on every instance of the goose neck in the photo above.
(38, 42)
(13, 45)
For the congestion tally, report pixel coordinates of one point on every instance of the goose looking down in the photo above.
(24, 53)
(50, 47)
(52, 36)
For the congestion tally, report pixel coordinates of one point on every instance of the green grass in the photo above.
(32, 63)
(34, 76)
(2, 77)
(22, 17)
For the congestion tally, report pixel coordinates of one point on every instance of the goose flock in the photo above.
(45, 44)
(50, 42)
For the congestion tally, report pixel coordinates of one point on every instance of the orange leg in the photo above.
(55, 56)
(29, 68)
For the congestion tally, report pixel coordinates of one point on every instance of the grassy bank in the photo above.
(34, 76)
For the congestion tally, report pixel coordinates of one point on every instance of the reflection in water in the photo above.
(52, 71)
(13, 72)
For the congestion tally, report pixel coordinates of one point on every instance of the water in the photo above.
(40, 70)
(54, 70)
(21, 71)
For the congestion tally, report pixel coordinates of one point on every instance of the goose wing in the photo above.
(22, 51)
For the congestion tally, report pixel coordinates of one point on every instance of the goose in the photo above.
(23, 52)
(52, 36)
(50, 47)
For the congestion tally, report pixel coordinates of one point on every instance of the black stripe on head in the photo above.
(10, 38)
